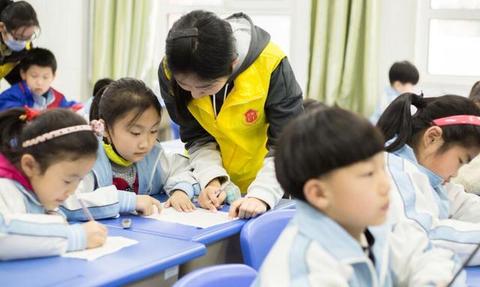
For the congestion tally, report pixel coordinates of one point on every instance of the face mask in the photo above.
(15, 45)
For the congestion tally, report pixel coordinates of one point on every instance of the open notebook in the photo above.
(199, 217)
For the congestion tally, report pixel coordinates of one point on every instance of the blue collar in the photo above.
(338, 241)
(406, 152)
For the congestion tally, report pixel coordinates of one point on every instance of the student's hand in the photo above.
(145, 205)
(180, 201)
(96, 234)
(247, 207)
(211, 197)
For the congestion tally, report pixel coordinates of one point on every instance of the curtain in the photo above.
(123, 39)
(343, 53)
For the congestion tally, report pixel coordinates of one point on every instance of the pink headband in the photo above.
(457, 120)
(95, 126)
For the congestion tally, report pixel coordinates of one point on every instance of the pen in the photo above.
(85, 210)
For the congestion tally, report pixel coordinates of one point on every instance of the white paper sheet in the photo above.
(199, 217)
(113, 244)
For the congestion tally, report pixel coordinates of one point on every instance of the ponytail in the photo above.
(401, 127)
(98, 90)
(396, 121)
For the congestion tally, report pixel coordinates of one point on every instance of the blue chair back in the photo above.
(231, 275)
(258, 235)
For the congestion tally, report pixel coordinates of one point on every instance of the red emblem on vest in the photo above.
(251, 116)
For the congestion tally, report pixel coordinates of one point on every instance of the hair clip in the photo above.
(184, 33)
(30, 114)
(97, 127)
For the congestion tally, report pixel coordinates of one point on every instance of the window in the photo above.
(448, 41)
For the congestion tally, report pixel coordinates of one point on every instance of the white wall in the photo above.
(64, 31)
(400, 30)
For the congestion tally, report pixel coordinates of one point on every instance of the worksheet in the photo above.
(199, 217)
(113, 244)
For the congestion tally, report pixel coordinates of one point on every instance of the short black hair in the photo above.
(40, 57)
(311, 104)
(404, 72)
(320, 141)
(475, 92)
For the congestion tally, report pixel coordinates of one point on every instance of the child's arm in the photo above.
(27, 235)
(177, 174)
(463, 206)
(104, 202)
(412, 199)
(11, 98)
(416, 262)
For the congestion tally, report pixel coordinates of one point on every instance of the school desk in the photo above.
(473, 276)
(153, 259)
(223, 243)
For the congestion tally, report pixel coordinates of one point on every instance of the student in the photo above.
(403, 78)
(231, 90)
(18, 26)
(426, 149)
(336, 237)
(469, 175)
(42, 161)
(129, 156)
(37, 70)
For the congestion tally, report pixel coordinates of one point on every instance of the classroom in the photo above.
(195, 143)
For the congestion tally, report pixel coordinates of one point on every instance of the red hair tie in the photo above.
(30, 114)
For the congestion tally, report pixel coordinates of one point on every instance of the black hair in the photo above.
(39, 57)
(398, 123)
(15, 131)
(404, 72)
(121, 97)
(311, 104)
(475, 93)
(320, 141)
(200, 43)
(17, 14)
(100, 86)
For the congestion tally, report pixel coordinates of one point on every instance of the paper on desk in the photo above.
(199, 217)
(113, 244)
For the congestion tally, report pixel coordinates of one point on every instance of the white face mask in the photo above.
(15, 45)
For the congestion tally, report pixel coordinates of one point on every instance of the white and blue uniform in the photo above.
(158, 172)
(314, 250)
(28, 230)
(444, 210)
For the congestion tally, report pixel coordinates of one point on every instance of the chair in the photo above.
(258, 235)
(231, 275)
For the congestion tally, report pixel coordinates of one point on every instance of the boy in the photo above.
(342, 188)
(37, 71)
(403, 78)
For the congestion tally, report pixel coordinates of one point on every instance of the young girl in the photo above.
(130, 157)
(337, 236)
(428, 140)
(42, 161)
(231, 90)
(18, 25)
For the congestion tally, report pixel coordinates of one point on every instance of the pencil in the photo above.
(85, 210)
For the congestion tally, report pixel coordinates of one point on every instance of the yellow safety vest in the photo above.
(240, 128)
(6, 68)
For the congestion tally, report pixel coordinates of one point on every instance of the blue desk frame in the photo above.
(151, 255)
